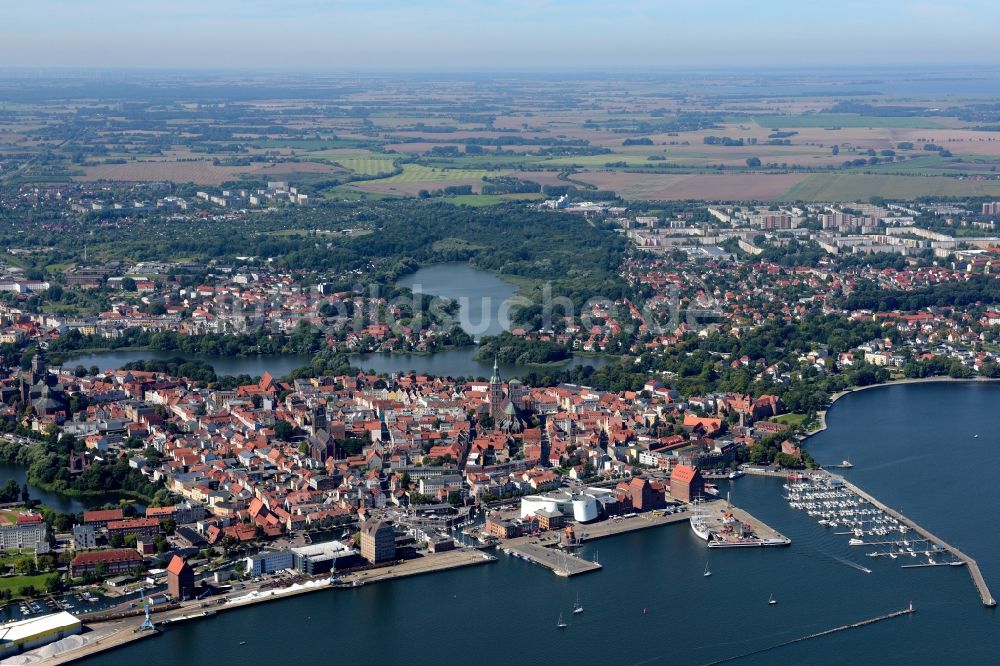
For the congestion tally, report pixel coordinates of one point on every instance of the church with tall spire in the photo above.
(496, 395)
(503, 411)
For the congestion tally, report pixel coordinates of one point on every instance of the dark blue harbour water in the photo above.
(912, 446)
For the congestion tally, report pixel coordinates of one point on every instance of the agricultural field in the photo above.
(480, 200)
(308, 145)
(416, 177)
(845, 120)
(359, 162)
(862, 187)
(644, 138)
(198, 172)
(418, 173)
(201, 173)
(666, 187)
(367, 166)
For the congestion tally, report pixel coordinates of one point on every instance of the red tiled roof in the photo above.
(176, 565)
(102, 515)
(683, 473)
(115, 555)
(135, 522)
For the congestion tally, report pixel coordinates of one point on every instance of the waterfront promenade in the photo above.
(543, 550)
(451, 559)
(103, 636)
(643, 521)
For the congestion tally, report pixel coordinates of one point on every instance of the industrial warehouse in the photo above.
(16, 637)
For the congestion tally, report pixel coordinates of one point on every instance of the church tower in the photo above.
(39, 373)
(496, 393)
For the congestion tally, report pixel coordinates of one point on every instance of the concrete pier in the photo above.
(768, 535)
(544, 549)
(971, 565)
(643, 521)
(561, 563)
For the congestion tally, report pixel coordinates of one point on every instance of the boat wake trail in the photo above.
(849, 563)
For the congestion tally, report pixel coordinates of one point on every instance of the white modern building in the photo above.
(269, 561)
(319, 558)
(582, 506)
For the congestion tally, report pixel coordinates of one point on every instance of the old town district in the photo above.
(351, 473)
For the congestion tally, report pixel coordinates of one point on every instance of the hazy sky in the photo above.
(499, 34)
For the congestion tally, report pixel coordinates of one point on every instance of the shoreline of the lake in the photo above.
(451, 362)
(71, 500)
(481, 294)
(522, 284)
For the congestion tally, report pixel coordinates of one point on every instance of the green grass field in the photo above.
(367, 166)
(845, 120)
(348, 193)
(418, 173)
(483, 161)
(851, 187)
(791, 420)
(481, 200)
(15, 583)
(598, 161)
(935, 165)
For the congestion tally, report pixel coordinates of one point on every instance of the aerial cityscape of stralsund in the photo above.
(454, 332)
